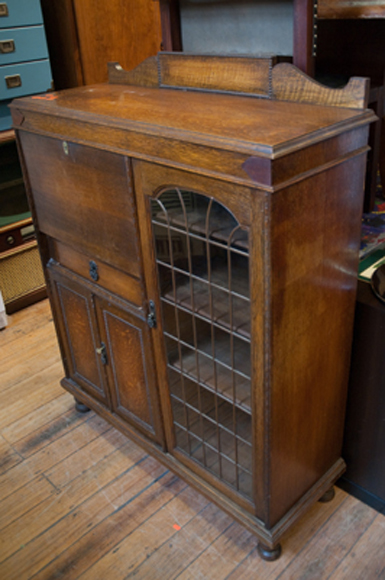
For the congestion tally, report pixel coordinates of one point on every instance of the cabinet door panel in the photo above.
(201, 252)
(130, 367)
(79, 336)
(83, 198)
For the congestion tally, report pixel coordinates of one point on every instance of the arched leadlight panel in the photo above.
(202, 256)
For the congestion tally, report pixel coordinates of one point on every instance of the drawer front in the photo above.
(22, 44)
(102, 274)
(84, 199)
(20, 13)
(25, 79)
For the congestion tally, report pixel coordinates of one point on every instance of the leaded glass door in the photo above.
(203, 270)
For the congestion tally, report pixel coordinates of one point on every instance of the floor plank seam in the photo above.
(22, 516)
(14, 386)
(107, 429)
(11, 335)
(14, 451)
(203, 551)
(353, 546)
(46, 438)
(117, 510)
(57, 489)
(79, 425)
(317, 531)
(249, 555)
(135, 571)
(51, 526)
(94, 465)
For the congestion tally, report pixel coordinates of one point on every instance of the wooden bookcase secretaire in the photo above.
(200, 234)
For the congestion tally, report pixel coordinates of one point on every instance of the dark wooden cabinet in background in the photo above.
(202, 279)
(84, 35)
(364, 438)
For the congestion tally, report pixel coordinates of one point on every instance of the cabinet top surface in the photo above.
(260, 125)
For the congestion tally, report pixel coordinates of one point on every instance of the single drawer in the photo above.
(28, 78)
(97, 271)
(22, 44)
(20, 13)
(84, 199)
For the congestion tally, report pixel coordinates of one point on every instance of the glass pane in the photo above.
(203, 269)
(179, 412)
(244, 455)
(212, 461)
(245, 483)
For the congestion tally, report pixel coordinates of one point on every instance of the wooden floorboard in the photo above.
(79, 500)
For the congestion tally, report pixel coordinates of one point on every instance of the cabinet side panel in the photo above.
(83, 198)
(314, 252)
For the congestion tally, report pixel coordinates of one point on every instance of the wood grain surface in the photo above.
(348, 9)
(261, 125)
(291, 84)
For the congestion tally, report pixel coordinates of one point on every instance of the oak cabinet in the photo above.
(202, 279)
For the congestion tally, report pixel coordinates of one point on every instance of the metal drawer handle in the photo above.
(13, 81)
(3, 9)
(7, 46)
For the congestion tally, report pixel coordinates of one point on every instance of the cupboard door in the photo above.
(202, 257)
(130, 367)
(83, 351)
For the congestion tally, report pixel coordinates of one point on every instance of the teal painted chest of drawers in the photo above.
(24, 61)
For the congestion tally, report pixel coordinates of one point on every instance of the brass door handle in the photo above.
(102, 352)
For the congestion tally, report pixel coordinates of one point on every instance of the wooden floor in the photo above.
(78, 500)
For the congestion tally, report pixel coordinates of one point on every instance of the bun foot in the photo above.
(81, 407)
(269, 554)
(328, 495)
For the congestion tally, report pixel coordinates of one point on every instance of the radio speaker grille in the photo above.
(20, 272)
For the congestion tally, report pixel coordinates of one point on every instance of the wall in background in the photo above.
(240, 27)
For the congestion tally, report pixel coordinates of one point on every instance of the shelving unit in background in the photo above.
(24, 70)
